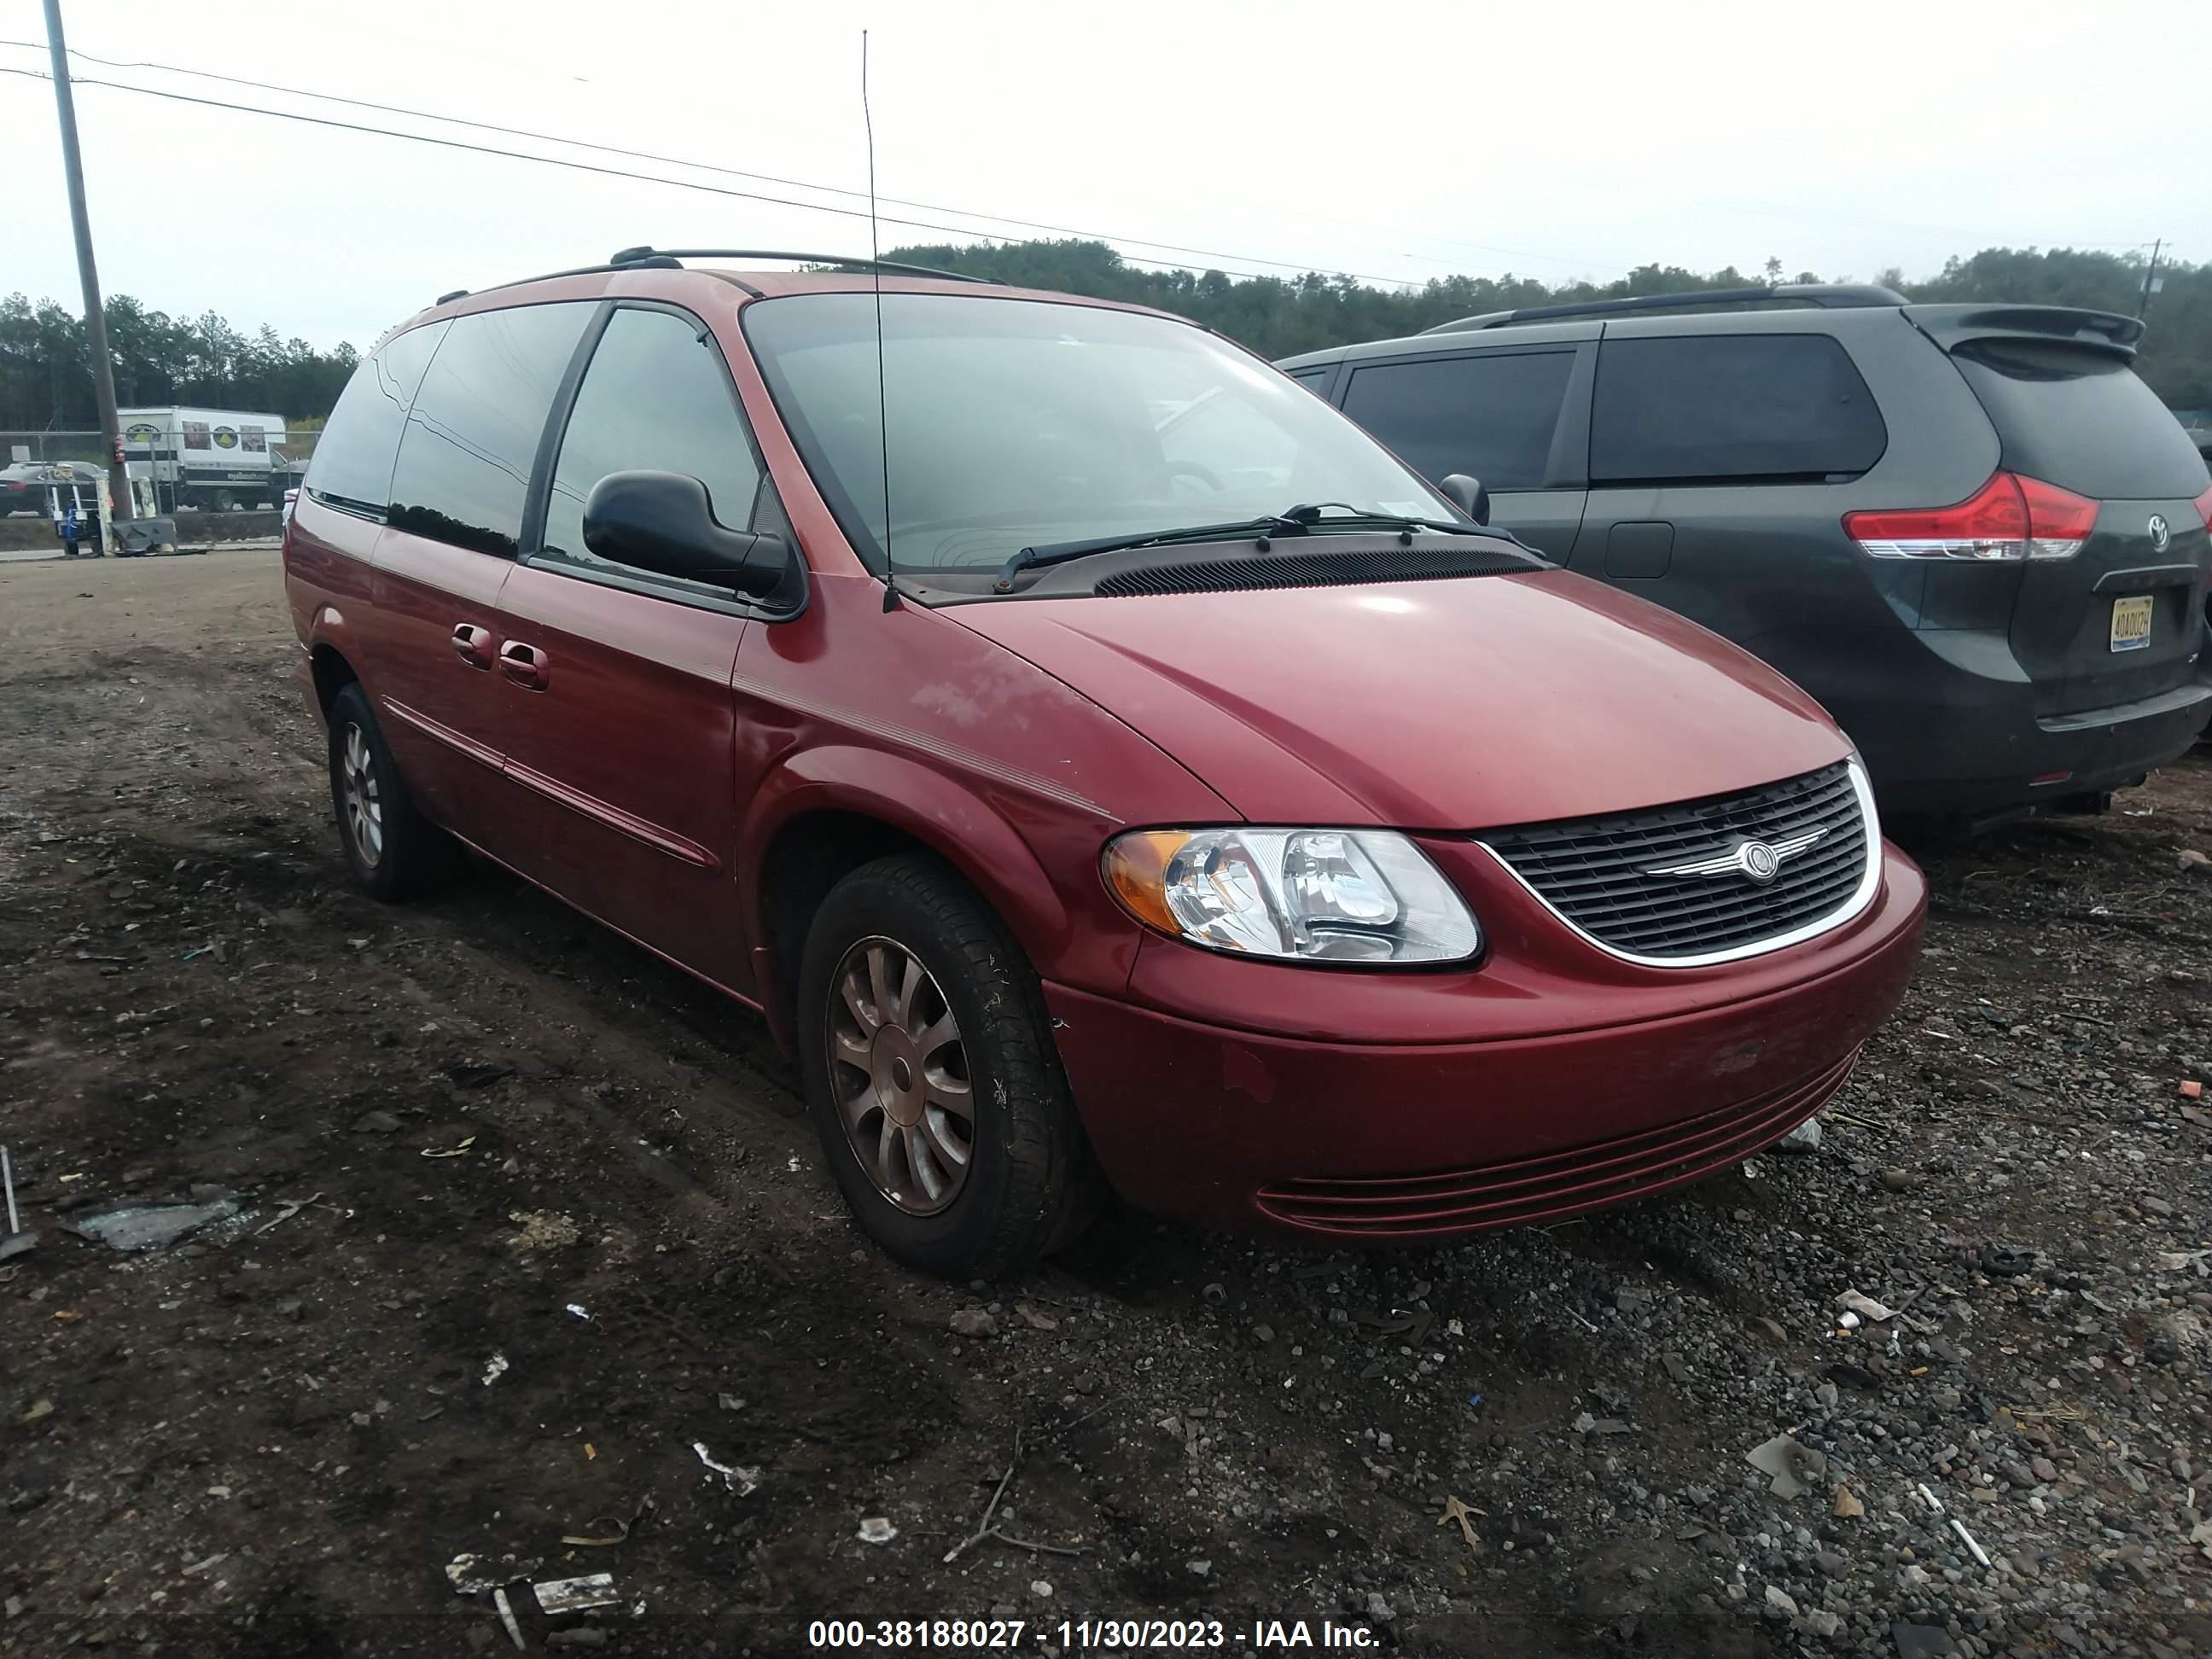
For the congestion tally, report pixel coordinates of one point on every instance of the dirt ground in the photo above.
(530, 1262)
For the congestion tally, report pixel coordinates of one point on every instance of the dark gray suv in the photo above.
(1969, 530)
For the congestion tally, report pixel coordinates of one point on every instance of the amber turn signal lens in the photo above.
(1136, 873)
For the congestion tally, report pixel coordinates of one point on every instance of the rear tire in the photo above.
(932, 1076)
(395, 852)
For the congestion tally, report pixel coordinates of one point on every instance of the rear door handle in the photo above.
(523, 664)
(472, 645)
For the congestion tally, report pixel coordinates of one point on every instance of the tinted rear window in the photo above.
(352, 466)
(1731, 408)
(2080, 419)
(1491, 415)
(472, 435)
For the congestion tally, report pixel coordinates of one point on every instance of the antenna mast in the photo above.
(882, 406)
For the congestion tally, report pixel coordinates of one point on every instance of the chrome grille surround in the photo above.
(1597, 875)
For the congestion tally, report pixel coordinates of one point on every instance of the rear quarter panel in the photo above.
(327, 576)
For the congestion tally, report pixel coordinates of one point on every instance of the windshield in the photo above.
(1015, 423)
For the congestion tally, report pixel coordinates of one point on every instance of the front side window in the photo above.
(471, 437)
(1731, 408)
(656, 396)
(1491, 415)
(352, 467)
(1012, 423)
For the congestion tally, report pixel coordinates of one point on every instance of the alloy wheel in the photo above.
(357, 790)
(898, 1072)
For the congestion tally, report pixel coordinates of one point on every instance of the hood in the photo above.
(1458, 704)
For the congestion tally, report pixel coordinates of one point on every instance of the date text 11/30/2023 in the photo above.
(1087, 1635)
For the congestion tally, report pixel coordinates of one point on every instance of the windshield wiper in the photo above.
(1358, 518)
(1301, 520)
(1043, 553)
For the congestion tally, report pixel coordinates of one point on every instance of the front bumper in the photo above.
(1593, 1093)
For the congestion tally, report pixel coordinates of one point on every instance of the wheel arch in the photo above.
(332, 672)
(827, 813)
(333, 664)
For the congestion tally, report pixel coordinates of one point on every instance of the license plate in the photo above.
(2131, 624)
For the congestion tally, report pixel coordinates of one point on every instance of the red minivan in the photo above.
(1102, 764)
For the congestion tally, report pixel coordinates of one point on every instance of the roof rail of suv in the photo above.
(657, 262)
(640, 256)
(1834, 294)
(656, 258)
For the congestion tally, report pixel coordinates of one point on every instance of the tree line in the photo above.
(45, 366)
(45, 380)
(1278, 316)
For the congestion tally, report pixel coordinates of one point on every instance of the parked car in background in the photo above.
(1969, 530)
(1218, 809)
(22, 488)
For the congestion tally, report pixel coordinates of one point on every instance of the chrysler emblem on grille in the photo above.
(1756, 861)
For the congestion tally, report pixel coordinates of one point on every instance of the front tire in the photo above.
(932, 1077)
(395, 852)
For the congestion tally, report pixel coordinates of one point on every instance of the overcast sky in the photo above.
(1397, 142)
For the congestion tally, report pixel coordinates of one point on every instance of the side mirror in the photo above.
(1468, 494)
(664, 522)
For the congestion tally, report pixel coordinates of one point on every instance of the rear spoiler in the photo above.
(1952, 326)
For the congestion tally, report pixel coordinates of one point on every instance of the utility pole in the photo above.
(95, 317)
(2150, 280)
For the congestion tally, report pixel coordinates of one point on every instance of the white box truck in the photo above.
(214, 458)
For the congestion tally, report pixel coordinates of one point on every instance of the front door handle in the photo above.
(472, 645)
(523, 664)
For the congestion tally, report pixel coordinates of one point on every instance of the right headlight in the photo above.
(1340, 895)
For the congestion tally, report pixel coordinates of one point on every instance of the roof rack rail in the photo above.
(640, 256)
(450, 295)
(656, 263)
(1833, 295)
(654, 258)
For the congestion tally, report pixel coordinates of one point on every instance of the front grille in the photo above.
(1552, 1184)
(1597, 873)
(1330, 569)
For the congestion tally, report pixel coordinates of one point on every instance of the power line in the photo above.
(1005, 219)
(669, 160)
(543, 161)
(801, 183)
(632, 154)
(833, 190)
